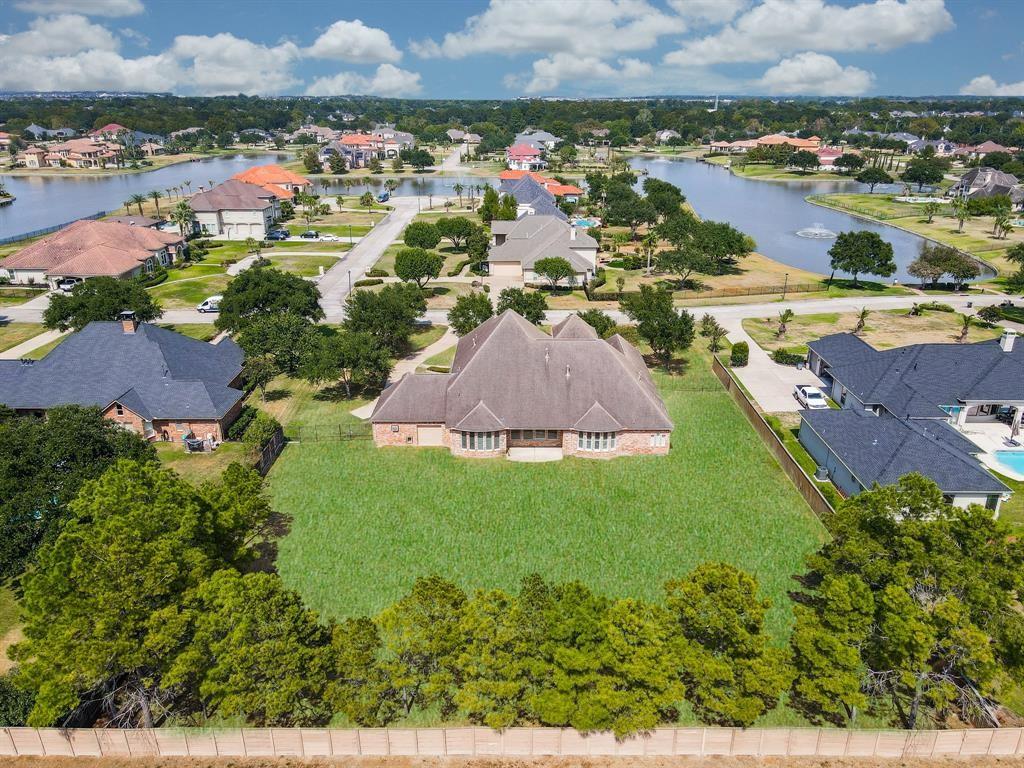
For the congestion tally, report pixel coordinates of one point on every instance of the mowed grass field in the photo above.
(365, 522)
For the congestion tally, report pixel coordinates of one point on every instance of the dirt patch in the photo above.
(12, 637)
(479, 762)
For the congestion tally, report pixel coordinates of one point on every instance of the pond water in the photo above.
(46, 201)
(773, 212)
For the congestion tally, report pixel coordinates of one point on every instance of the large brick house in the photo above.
(512, 386)
(151, 380)
(93, 249)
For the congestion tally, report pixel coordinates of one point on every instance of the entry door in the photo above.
(431, 435)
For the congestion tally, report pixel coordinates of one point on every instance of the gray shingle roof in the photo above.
(154, 372)
(232, 195)
(507, 373)
(528, 191)
(539, 237)
(882, 449)
(917, 379)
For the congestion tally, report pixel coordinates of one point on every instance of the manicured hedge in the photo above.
(740, 354)
(367, 283)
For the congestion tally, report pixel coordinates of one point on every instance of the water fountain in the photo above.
(816, 231)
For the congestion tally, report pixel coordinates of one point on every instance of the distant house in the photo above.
(320, 134)
(776, 139)
(979, 183)
(93, 249)
(523, 157)
(569, 192)
(50, 133)
(151, 148)
(109, 131)
(541, 140)
(392, 141)
(519, 245)
(915, 399)
(827, 156)
(454, 134)
(987, 147)
(513, 389)
(665, 136)
(150, 380)
(236, 210)
(472, 138)
(275, 179)
(942, 147)
(83, 153)
(33, 157)
(358, 149)
(737, 147)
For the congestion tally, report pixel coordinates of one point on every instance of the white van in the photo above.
(211, 304)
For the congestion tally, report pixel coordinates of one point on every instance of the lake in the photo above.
(772, 212)
(45, 201)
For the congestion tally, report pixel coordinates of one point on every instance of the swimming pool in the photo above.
(1012, 460)
(585, 223)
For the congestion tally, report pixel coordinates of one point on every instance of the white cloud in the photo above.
(85, 7)
(986, 85)
(225, 64)
(597, 28)
(388, 80)
(135, 36)
(777, 28)
(89, 71)
(56, 35)
(592, 76)
(353, 41)
(708, 11)
(634, 69)
(814, 74)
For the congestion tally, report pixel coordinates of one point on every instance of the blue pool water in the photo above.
(1012, 460)
(585, 223)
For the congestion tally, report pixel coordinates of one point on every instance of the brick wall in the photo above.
(384, 436)
(455, 442)
(626, 444)
(173, 430)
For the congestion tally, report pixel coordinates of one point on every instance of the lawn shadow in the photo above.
(273, 395)
(266, 550)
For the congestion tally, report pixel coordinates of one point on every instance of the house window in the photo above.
(596, 441)
(119, 409)
(481, 441)
(517, 434)
(659, 440)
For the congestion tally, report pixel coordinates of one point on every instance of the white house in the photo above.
(236, 210)
(519, 245)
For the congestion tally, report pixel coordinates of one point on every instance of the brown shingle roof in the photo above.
(507, 373)
(232, 195)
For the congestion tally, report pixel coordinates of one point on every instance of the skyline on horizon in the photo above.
(502, 49)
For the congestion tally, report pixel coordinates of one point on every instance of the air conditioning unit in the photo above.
(821, 474)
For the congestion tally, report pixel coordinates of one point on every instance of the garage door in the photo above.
(506, 269)
(429, 435)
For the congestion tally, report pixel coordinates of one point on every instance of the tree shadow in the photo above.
(273, 395)
(266, 550)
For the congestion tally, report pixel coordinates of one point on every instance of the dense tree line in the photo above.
(498, 121)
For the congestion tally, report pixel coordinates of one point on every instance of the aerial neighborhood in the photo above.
(377, 414)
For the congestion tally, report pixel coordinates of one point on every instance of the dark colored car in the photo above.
(277, 234)
(310, 234)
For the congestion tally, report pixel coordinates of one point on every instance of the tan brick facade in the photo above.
(171, 430)
(626, 444)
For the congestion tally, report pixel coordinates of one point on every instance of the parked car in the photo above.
(330, 238)
(67, 284)
(383, 197)
(811, 398)
(277, 234)
(310, 234)
(211, 304)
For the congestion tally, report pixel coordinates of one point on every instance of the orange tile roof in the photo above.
(358, 139)
(270, 174)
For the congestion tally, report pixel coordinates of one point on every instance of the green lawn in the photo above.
(200, 467)
(193, 270)
(13, 334)
(8, 610)
(201, 331)
(301, 264)
(12, 297)
(442, 359)
(375, 519)
(342, 230)
(452, 258)
(185, 294)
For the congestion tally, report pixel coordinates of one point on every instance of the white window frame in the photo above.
(481, 441)
(658, 440)
(596, 442)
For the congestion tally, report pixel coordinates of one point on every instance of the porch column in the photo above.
(961, 417)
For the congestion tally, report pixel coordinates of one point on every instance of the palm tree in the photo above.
(138, 200)
(784, 317)
(647, 245)
(189, 185)
(182, 215)
(155, 196)
(966, 321)
(1002, 224)
(457, 189)
(862, 318)
(960, 212)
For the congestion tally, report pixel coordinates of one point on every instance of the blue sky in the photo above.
(509, 48)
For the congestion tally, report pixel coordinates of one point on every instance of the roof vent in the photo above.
(547, 354)
(567, 371)
(1007, 339)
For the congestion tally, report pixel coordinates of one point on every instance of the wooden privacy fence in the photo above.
(808, 489)
(467, 742)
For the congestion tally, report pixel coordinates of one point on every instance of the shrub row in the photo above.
(368, 282)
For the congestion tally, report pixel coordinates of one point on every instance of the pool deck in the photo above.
(992, 436)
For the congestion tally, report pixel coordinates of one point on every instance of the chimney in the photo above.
(128, 322)
(572, 233)
(1007, 339)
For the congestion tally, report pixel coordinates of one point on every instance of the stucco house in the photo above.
(515, 390)
(236, 210)
(979, 183)
(89, 248)
(523, 157)
(519, 245)
(276, 179)
(148, 379)
(916, 397)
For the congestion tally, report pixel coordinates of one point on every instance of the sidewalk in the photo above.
(20, 350)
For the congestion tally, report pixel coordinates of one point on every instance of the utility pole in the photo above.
(785, 285)
(350, 281)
